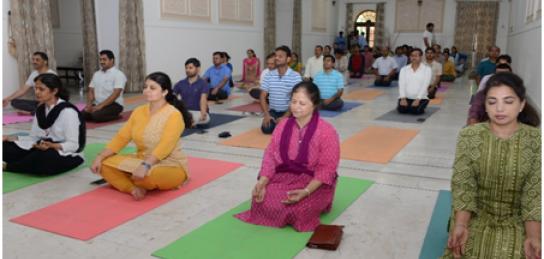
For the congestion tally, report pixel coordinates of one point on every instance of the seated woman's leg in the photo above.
(404, 109)
(120, 180)
(420, 108)
(163, 178)
(335, 105)
(12, 152)
(48, 162)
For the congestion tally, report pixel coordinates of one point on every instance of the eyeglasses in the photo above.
(415, 55)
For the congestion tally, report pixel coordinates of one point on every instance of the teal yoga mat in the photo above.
(437, 235)
(228, 237)
(14, 181)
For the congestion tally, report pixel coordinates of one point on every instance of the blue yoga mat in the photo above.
(347, 106)
(393, 85)
(437, 235)
(215, 120)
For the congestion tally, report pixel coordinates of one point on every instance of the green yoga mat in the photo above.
(437, 234)
(228, 237)
(15, 181)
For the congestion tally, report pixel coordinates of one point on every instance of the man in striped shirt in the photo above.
(331, 85)
(277, 85)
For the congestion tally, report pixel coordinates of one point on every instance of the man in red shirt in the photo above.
(356, 65)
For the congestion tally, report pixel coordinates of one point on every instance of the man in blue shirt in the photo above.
(194, 93)
(401, 59)
(218, 75)
(362, 40)
(487, 67)
(341, 41)
(331, 85)
(277, 85)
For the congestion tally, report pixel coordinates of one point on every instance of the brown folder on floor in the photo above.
(326, 237)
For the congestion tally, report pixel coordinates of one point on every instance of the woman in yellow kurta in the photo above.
(155, 128)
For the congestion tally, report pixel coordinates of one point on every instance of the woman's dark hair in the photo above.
(528, 115)
(52, 81)
(253, 52)
(296, 55)
(338, 51)
(166, 84)
(503, 66)
(505, 57)
(228, 57)
(312, 91)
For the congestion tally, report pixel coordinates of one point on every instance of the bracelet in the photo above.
(308, 192)
(461, 224)
(148, 166)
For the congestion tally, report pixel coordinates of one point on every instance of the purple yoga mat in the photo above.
(12, 118)
(443, 88)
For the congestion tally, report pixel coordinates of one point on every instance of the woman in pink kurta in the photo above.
(298, 174)
(251, 71)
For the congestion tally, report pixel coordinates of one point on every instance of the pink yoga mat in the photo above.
(12, 118)
(443, 87)
(94, 125)
(252, 107)
(90, 214)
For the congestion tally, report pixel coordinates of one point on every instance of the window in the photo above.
(366, 22)
(186, 9)
(236, 11)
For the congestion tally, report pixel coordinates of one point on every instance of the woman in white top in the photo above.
(57, 136)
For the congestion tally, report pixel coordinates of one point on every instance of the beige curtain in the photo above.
(297, 26)
(476, 17)
(349, 20)
(32, 31)
(379, 33)
(132, 43)
(90, 48)
(269, 26)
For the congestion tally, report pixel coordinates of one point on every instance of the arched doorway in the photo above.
(366, 22)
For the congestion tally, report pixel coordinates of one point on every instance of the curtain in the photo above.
(349, 20)
(132, 43)
(379, 33)
(474, 17)
(270, 26)
(90, 48)
(32, 31)
(297, 26)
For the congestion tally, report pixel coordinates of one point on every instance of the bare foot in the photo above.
(24, 113)
(256, 101)
(193, 127)
(138, 193)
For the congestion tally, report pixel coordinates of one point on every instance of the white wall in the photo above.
(107, 26)
(284, 22)
(10, 74)
(525, 48)
(170, 42)
(68, 38)
(309, 38)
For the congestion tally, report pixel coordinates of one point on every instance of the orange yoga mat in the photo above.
(251, 139)
(134, 99)
(92, 213)
(364, 94)
(376, 144)
(232, 97)
(437, 100)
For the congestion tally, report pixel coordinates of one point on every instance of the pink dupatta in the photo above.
(251, 63)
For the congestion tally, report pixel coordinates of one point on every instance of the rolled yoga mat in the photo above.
(394, 115)
(254, 138)
(376, 144)
(14, 181)
(90, 214)
(364, 94)
(228, 237)
(12, 118)
(437, 233)
(215, 120)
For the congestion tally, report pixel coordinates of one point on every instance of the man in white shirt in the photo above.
(314, 64)
(436, 71)
(105, 97)
(428, 36)
(413, 84)
(255, 91)
(40, 61)
(385, 68)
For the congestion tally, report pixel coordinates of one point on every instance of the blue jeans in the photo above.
(275, 114)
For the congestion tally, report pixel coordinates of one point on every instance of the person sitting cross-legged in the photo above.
(436, 69)
(331, 85)
(448, 72)
(385, 68)
(414, 81)
(193, 90)
(356, 66)
(218, 76)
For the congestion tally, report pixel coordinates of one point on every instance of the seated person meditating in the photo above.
(295, 63)
(155, 128)
(341, 64)
(194, 93)
(252, 69)
(497, 179)
(331, 85)
(367, 53)
(57, 136)
(356, 66)
(436, 72)
(385, 68)
(255, 91)
(298, 174)
(218, 75)
(414, 81)
(448, 72)
(105, 97)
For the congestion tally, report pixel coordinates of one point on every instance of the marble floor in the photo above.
(388, 221)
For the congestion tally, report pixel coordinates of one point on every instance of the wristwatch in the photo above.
(148, 166)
